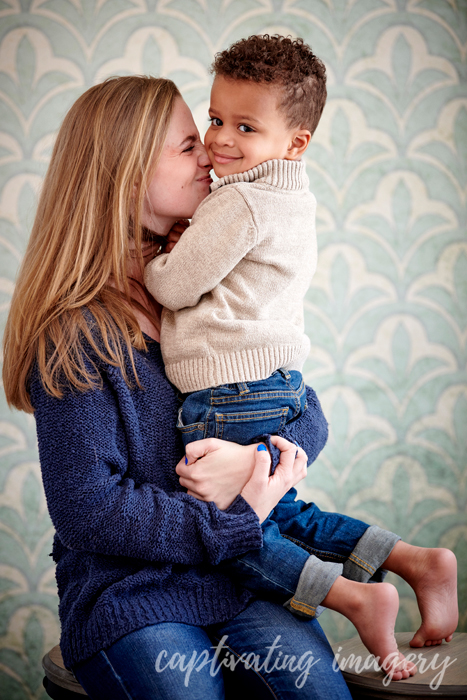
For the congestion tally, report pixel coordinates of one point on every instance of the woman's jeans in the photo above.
(304, 549)
(263, 652)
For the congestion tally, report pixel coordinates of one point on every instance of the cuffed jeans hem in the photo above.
(372, 549)
(314, 584)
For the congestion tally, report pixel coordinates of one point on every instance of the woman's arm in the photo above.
(200, 474)
(259, 488)
(97, 502)
(310, 431)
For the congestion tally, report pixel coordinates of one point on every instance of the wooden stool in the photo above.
(59, 683)
(365, 682)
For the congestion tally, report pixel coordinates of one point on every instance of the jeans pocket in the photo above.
(242, 427)
(191, 427)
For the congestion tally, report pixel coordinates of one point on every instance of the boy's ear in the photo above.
(298, 144)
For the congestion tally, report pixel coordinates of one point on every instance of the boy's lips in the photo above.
(223, 158)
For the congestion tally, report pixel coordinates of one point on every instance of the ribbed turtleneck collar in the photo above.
(286, 174)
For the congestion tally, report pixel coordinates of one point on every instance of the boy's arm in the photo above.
(221, 234)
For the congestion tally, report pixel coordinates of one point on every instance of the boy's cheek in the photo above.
(207, 138)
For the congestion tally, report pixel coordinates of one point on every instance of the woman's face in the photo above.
(181, 180)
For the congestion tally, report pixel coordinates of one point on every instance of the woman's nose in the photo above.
(203, 158)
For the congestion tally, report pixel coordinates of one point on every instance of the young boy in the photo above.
(233, 343)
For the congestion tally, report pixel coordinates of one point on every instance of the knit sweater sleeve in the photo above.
(310, 431)
(222, 232)
(101, 502)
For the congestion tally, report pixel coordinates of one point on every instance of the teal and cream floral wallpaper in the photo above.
(387, 309)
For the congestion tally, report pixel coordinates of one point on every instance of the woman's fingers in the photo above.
(200, 448)
(216, 470)
(293, 461)
(262, 466)
(263, 492)
(190, 477)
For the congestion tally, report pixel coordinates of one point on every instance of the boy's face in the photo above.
(247, 127)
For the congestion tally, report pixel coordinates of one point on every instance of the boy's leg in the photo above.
(240, 412)
(362, 564)
(337, 544)
(432, 573)
(243, 411)
(275, 571)
(282, 567)
(360, 548)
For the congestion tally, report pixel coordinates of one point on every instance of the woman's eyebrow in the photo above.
(189, 139)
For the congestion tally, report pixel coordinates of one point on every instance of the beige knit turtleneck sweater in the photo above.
(234, 284)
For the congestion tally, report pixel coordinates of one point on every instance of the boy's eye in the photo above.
(215, 121)
(245, 128)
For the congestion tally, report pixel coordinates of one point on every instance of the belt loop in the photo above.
(284, 373)
(242, 388)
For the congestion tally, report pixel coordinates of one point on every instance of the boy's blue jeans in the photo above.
(304, 549)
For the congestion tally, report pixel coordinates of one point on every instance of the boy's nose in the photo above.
(224, 137)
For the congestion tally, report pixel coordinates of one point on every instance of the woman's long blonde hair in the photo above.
(75, 266)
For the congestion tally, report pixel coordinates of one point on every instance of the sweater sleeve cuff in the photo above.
(244, 532)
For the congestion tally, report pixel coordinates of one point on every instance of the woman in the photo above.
(144, 609)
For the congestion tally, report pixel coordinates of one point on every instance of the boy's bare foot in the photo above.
(375, 619)
(432, 573)
(435, 585)
(372, 608)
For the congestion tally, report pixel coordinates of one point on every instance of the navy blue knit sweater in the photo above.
(131, 547)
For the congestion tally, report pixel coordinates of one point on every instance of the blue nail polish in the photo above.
(186, 460)
(262, 448)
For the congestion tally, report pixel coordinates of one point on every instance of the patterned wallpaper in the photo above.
(386, 311)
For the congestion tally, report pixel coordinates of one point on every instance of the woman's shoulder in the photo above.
(136, 369)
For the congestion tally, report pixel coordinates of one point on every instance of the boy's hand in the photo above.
(174, 234)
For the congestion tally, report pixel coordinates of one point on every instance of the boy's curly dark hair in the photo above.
(287, 62)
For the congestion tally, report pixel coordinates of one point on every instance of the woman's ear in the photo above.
(298, 144)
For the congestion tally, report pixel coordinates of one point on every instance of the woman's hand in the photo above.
(174, 234)
(263, 492)
(217, 470)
